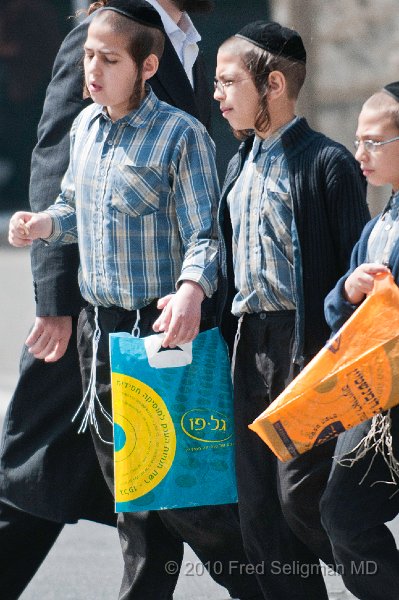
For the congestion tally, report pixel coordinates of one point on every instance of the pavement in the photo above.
(85, 563)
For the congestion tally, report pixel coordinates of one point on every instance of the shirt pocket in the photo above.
(136, 189)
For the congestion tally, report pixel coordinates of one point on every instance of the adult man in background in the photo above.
(49, 475)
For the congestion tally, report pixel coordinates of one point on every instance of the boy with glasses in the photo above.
(292, 207)
(359, 501)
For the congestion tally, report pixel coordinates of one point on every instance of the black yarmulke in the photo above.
(274, 38)
(392, 89)
(139, 11)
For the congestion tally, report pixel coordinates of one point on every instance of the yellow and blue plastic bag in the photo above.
(173, 423)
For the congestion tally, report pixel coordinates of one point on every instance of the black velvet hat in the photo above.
(392, 89)
(274, 38)
(139, 11)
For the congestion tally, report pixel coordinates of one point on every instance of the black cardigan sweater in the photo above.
(328, 194)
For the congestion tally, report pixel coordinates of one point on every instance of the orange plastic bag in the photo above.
(354, 377)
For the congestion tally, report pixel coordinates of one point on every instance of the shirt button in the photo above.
(388, 227)
(110, 142)
(262, 316)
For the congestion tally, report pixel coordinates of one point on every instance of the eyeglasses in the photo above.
(370, 145)
(220, 85)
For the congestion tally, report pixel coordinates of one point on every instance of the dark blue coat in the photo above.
(337, 309)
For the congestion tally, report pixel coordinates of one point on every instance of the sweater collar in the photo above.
(294, 140)
(291, 135)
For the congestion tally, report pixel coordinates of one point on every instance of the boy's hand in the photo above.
(26, 227)
(181, 315)
(361, 281)
(49, 337)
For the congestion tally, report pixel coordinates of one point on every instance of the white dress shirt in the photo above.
(184, 38)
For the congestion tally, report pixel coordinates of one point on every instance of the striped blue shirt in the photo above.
(140, 196)
(385, 233)
(261, 213)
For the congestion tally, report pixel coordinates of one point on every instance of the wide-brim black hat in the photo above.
(275, 38)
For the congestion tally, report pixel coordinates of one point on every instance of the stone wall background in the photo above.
(353, 49)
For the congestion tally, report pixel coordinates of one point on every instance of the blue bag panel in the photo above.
(199, 469)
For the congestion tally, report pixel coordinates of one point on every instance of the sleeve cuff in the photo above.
(200, 279)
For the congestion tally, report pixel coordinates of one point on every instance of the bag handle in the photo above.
(166, 358)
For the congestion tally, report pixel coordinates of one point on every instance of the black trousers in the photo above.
(286, 567)
(49, 475)
(25, 541)
(46, 468)
(153, 540)
(355, 507)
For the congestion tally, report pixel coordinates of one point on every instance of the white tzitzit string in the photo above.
(236, 340)
(378, 439)
(136, 328)
(91, 393)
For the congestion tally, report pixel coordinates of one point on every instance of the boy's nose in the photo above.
(361, 155)
(94, 65)
(219, 93)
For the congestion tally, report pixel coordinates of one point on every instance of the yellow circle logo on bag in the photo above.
(144, 438)
(205, 425)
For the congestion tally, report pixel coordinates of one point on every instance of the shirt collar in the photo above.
(187, 26)
(392, 204)
(395, 198)
(186, 29)
(137, 117)
(265, 145)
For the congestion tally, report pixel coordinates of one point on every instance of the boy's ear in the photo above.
(150, 66)
(277, 84)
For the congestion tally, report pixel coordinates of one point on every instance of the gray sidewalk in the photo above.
(85, 563)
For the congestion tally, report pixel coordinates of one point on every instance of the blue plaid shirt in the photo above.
(261, 214)
(385, 233)
(140, 196)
